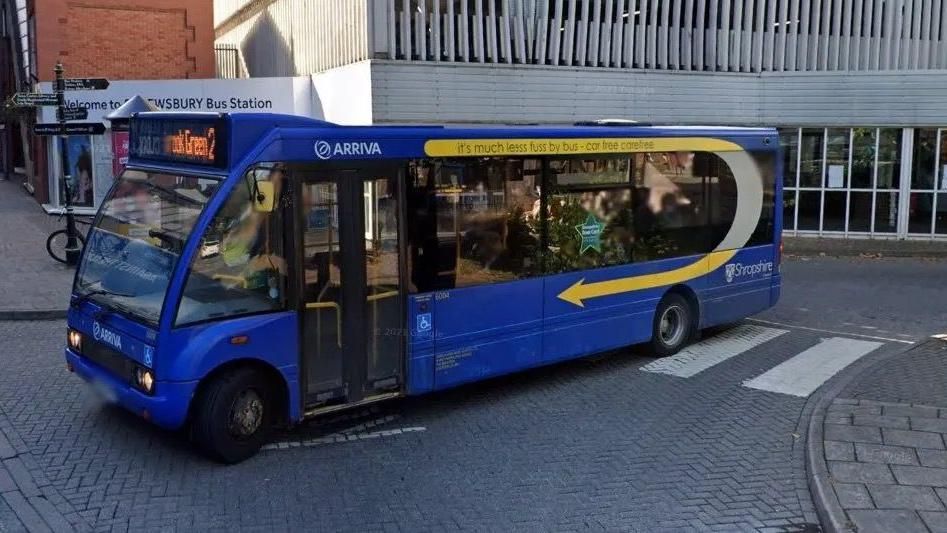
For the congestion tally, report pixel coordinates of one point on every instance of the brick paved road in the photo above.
(596, 444)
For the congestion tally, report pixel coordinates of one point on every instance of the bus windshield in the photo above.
(137, 239)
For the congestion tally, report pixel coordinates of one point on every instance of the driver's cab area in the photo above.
(239, 266)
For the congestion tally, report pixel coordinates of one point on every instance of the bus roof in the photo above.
(218, 141)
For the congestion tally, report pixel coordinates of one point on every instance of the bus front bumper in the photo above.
(167, 408)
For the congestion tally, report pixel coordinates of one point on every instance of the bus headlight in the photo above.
(74, 338)
(145, 379)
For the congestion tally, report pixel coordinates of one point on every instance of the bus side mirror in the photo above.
(264, 197)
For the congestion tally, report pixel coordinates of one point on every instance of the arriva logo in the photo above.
(325, 150)
(107, 336)
(733, 271)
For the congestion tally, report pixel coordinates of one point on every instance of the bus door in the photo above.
(352, 304)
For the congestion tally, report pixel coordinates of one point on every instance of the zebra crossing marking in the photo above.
(715, 350)
(806, 371)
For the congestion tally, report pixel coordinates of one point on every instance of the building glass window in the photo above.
(859, 211)
(863, 157)
(889, 158)
(923, 173)
(940, 222)
(836, 158)
(789, 209)
(789, 139)
(811, 158)
(834, 209)
(920, 210)
(810, 205)
(886, 212)
(925, 148)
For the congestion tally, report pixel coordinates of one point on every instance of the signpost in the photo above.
(72, 113)
(86, 84)
(75, 128)
(34, 99)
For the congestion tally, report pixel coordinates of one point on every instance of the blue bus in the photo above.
(252, 270)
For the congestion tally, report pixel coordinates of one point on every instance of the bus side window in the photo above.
(472, 221)
(685, 203)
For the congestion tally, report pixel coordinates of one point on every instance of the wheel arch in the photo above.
(273, 376)
(693, 300)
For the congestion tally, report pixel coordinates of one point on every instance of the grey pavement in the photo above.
(880, 462)
(864, 247)
(33, 285)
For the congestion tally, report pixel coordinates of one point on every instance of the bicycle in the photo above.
(60, 245)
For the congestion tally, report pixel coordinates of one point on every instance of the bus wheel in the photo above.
(673, 325)
(233, 416)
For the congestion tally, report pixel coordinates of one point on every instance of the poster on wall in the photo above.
(102, 168)
(77, 169)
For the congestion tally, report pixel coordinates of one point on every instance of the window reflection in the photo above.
(889, 158)
(811, 158)
(240, 267)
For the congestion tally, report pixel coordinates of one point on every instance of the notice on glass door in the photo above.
(943, 178)
(836, 176)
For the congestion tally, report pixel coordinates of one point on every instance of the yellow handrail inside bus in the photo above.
(382, 296)
(239, 279)
(338, 316)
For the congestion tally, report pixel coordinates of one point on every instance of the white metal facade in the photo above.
(690, 35)
(703, 35)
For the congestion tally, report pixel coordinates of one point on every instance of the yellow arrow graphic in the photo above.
(581, 291)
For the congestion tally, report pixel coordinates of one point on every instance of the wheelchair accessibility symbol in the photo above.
(424, 322)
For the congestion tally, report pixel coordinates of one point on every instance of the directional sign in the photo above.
(73, 113)
(34, 99)
(86, 84)
(76, 128)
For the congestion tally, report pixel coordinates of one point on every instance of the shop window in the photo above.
(473, 221)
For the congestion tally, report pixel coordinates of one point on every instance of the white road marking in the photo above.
(804, 373)
(847, 334)
(707, 353)
(340, 437)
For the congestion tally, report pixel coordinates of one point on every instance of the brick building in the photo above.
(118, 40)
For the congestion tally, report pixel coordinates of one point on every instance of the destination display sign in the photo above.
(192, 141)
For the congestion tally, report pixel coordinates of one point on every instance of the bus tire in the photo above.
(673, 325)
(233, 416)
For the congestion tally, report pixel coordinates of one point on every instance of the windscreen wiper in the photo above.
(92, 292)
